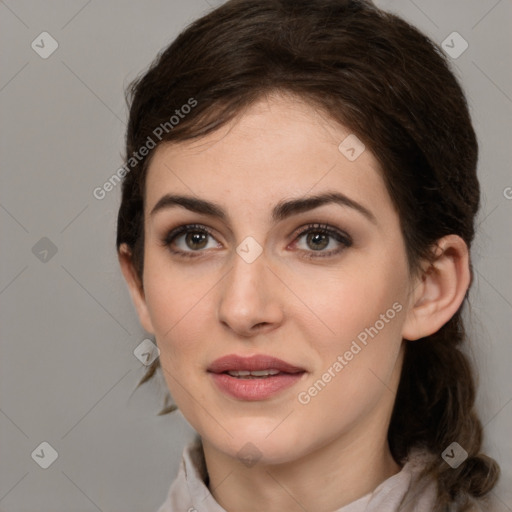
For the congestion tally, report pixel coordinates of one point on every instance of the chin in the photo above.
(251, 444)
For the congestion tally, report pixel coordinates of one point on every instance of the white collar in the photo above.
(402, 492)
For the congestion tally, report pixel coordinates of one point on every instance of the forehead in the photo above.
(279, 147)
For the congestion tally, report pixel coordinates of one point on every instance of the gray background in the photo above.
(68, 328)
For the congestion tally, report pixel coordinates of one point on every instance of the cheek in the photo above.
(343, 303)
(178, 306)
(356, 362)
(177, 314)
(367, 310)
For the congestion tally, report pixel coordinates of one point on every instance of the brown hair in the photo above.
(391, 86)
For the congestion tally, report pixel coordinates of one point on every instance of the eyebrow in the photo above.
(281, 211)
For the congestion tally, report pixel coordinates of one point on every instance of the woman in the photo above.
(297, 212)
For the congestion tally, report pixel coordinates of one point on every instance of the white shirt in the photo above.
(402, 492)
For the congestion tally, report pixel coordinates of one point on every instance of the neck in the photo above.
(327, 478)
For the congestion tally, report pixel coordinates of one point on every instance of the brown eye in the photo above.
(318, 237)
(196, 240)
(317, 241)
(189, 240)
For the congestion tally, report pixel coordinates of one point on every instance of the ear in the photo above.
(440, 289)
(135, 287)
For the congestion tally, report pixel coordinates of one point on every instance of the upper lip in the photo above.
(256, 362)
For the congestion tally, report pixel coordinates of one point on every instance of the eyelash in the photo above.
(344, 239)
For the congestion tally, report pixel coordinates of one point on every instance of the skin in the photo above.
(329, 452)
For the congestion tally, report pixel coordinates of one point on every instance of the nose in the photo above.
(249, 298)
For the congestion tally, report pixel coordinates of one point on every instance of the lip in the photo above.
(233, 362)
(254, 389)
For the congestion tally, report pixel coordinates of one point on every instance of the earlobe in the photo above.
(135, 287)
(441, 289)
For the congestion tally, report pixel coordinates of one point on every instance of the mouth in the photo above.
(254, 378)
(256, 366)
(256, 374)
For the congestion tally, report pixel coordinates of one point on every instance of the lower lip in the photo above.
(255, 389)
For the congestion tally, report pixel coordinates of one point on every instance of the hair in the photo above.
(374, 73)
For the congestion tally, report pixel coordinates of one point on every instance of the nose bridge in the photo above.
(246, 281)
(248, 297)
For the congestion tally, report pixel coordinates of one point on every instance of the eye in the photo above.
(189, 239)
(318, 237)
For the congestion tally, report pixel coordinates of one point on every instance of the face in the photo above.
(322, 285)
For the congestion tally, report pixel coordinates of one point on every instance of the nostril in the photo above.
(260, 325)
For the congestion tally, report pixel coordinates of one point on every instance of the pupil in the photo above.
(318, 239)
(196, 240)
